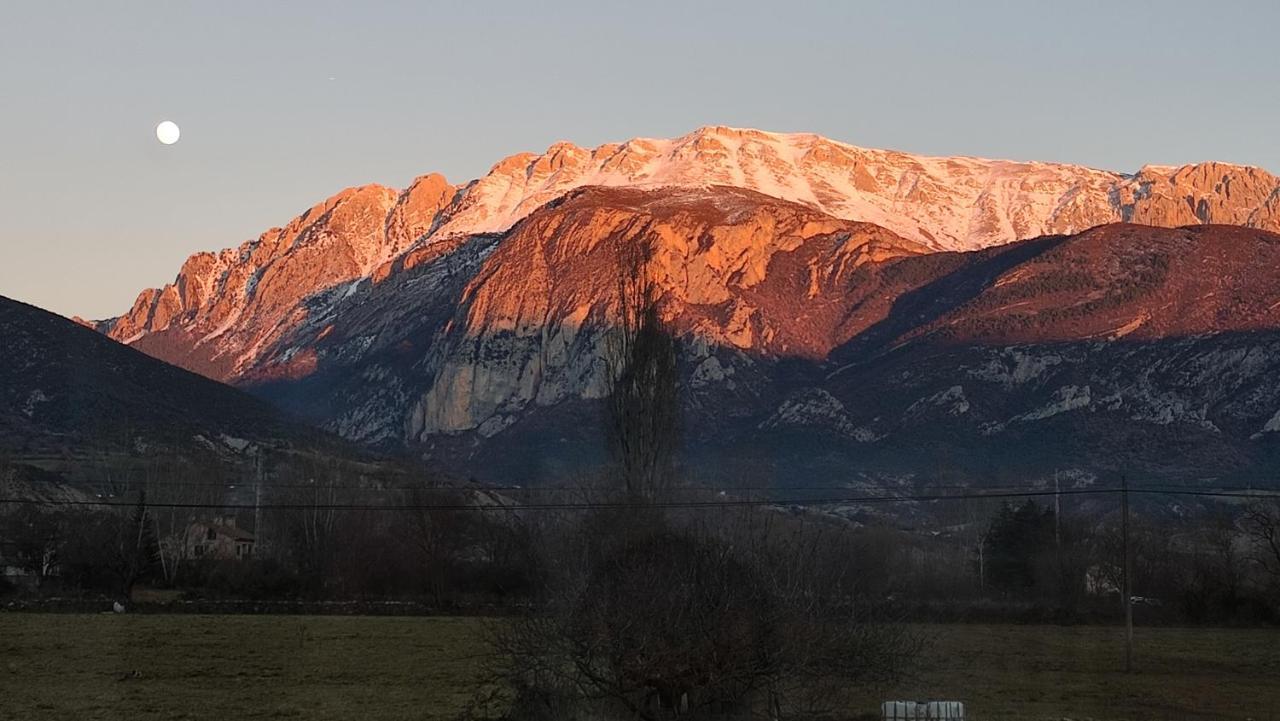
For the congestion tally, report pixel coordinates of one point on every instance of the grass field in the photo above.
(279, 667)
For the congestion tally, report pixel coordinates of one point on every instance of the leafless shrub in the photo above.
(1261, 525)
(654, 619)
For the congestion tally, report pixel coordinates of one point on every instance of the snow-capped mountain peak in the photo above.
(947, 203)
(226, 309)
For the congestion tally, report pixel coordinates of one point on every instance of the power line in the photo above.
(234, 485)
(608, 505)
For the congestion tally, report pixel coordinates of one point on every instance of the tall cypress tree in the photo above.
(1016, 539)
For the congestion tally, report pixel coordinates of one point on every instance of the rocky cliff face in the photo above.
(1202, 193)
(224, 308)
(819, 348)
(468, 321)
(731, 266)
(1124, 349)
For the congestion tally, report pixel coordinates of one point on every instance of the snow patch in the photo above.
(952, 400)
(1065, 399)
(711, 371)
(816, 408)
(1271, 426)
(495, 425)
(236, 444)
(965, 203)
(35, 398)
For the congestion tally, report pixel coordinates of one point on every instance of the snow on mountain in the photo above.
(259, 310)
(823, 319)
(951, 203)
(946, 203)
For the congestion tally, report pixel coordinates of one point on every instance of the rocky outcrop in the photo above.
(416, 211)
(226, 310)
(735, 269)
(1204, 193)
(464, 318)
(1001, 364)
(816, 346)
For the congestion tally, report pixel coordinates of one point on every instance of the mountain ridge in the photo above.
(67, 387)
(460, 319)
(918, 197)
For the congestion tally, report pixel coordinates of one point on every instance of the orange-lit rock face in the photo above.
(1203, 193)
(1127, 281)
(771, 280)
(482, 300)
(223, 307)
(733, 268)
(415, 212)
(945, 203)
(714, 257)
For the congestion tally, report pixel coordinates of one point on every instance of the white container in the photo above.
(922, 711)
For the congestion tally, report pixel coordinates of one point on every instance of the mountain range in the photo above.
(843, 313)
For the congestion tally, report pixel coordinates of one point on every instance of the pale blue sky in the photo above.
(93, 209)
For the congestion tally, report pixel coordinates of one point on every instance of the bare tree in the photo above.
(1261, 525)
(306, 515)
(434, 535)
(658, 620)
(170, 485)
(110, 550)
(33, 537)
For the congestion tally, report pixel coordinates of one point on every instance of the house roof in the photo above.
(235, 533)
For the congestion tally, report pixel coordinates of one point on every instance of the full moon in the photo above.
(167, 132)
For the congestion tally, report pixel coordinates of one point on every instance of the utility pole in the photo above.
(982, 562)
(1128, 575)
(1057, 514)
(257, 497)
